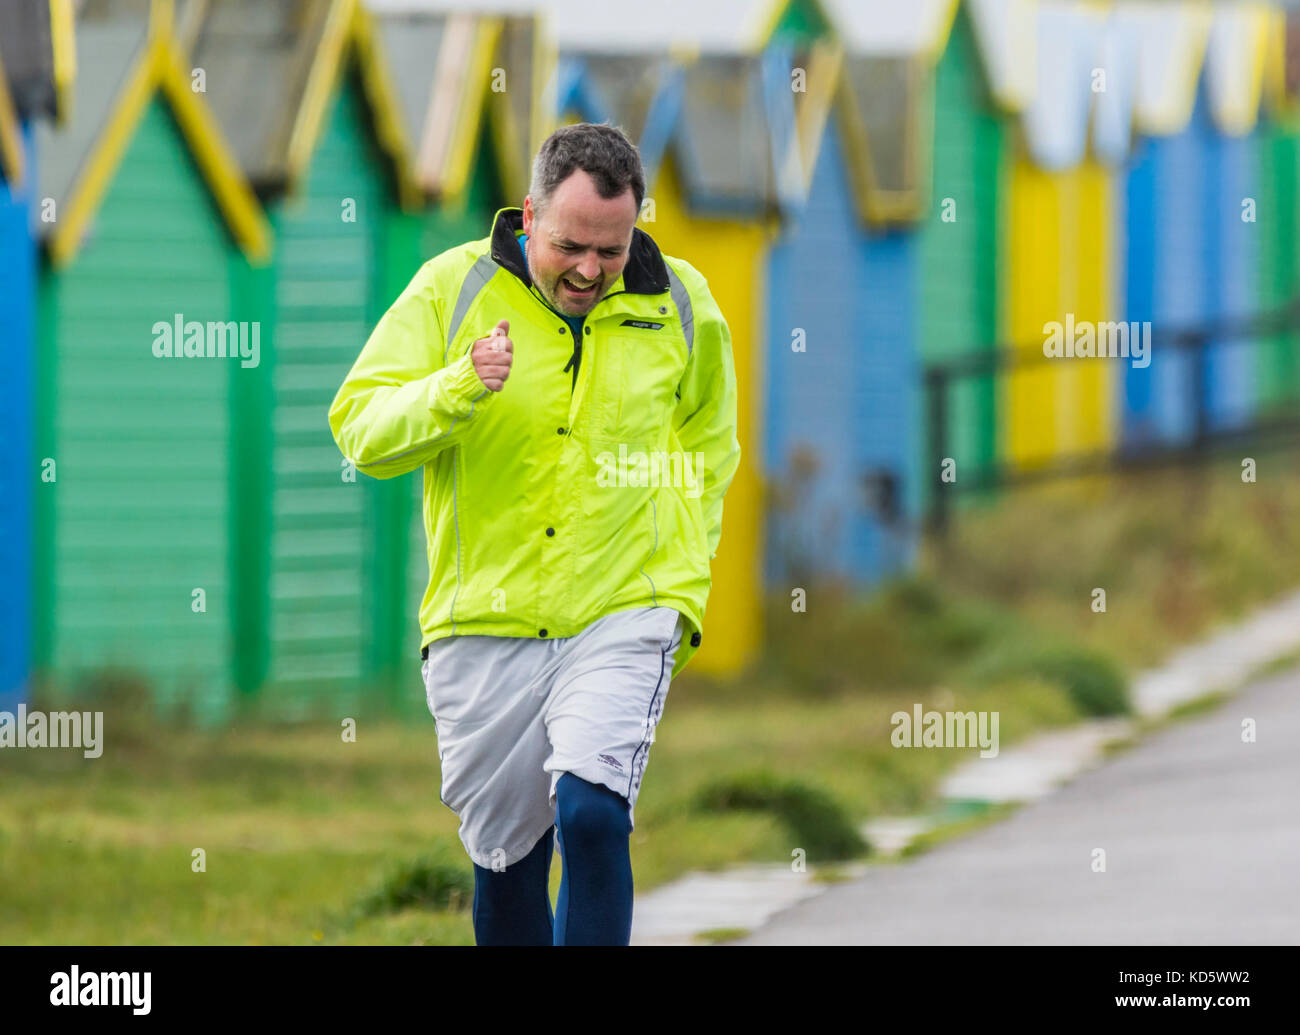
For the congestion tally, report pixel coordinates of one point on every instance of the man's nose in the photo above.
(589, 268)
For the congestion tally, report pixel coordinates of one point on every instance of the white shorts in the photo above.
(513, 713)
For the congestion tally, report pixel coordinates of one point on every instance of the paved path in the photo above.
(1202, 841)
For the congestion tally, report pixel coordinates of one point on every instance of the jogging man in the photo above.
(570, 393)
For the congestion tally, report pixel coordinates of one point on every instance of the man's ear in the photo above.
(529, 215)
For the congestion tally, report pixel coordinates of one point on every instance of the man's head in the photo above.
(579, 215)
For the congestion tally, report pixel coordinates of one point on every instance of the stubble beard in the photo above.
(551, 292)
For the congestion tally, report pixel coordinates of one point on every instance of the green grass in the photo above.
(815, 820)
(1178, 553)
(305, 835)
(1119, 745)
(311, 840)
(1278, 665)
(830, 875)
(958, 826)
(435, 881)
(1198, 705)
(719, 935)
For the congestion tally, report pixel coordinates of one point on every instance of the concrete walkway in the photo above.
(1201, 834)
(750, 896)
(741, 899)
(1221, 662)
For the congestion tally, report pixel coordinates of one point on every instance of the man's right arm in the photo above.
(400, 406)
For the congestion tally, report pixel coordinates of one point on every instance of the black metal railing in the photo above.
(1278, 425)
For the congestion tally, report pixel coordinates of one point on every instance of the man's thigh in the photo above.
(607, 699)
(487, 695)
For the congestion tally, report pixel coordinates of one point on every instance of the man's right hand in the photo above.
(493, 355)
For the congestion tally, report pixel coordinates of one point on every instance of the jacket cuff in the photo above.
(459, 389)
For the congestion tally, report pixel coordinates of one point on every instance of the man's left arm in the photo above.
(705, 417)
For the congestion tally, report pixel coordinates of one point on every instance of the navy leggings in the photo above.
(513, 906)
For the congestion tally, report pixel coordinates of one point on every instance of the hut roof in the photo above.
(919, 27)
(11, 143)
(1157, 58)
(271, 68)
(111, 43)
(36, 50)
(456, 72)
(126, 55)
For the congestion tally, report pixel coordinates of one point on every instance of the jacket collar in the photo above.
(644, 274)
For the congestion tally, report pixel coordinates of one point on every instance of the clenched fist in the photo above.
(493, 355)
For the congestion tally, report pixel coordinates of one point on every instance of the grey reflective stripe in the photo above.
(455, 511)
(682, 300)
(654, 517)
(475, 281)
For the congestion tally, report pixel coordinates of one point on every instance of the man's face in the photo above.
(580, 240)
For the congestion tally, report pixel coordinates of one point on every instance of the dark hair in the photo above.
(602, 151)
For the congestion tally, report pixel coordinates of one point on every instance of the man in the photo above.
(570, 394)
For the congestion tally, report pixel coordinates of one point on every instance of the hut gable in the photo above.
(11, 142)
(36, 50)
(457, 75)
(272, 68)
(884, 98)
(126, 56)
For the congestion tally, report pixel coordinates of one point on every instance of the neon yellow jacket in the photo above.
(550, 504)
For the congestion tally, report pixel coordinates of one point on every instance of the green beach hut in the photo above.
(302, 91)
(469, 89)
(147, 224)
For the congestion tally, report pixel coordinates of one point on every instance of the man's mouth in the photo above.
(573, 289)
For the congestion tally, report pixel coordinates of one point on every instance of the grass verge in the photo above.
(311, 839)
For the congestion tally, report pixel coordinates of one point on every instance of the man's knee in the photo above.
(590, 812)
(538, 858)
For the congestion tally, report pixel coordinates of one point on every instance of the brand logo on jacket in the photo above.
(645, 324)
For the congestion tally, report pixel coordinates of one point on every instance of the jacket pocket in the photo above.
(445, 683)
(642, 378)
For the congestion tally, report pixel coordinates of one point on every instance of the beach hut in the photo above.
(843, 365)
(306, 97)
(958, 310)
(17, 299)
(1277, 371)
(718, 176)
(1193, 225)
(470, 92)
(146, 222)
(1057, 241)
(35, 77)
(714, 204)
